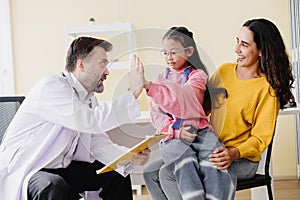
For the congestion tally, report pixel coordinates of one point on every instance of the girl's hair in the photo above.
(185, 37)
(274, 60)
(81, 47)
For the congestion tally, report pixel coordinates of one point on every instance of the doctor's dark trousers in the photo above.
(67, 183)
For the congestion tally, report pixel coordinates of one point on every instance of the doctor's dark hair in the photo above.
(81, 47)
(274, 62)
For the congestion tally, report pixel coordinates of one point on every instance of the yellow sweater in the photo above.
(246, 119)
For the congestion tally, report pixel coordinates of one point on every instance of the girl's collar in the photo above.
(182, 70)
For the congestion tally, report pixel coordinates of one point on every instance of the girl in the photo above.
(176, 104)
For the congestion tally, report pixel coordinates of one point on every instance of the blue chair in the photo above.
(8, 108)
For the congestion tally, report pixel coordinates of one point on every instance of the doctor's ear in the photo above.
(80, 65)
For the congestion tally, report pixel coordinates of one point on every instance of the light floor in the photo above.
(284, 190)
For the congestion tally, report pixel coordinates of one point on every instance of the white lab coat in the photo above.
(51, 111)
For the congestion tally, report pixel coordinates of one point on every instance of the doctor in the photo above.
(57, 140)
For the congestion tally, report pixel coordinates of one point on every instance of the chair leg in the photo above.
(270, 192)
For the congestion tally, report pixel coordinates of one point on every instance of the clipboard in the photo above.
(126, 157)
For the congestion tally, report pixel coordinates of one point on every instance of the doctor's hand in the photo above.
(142, 157)
(136, 76)
(223, 157)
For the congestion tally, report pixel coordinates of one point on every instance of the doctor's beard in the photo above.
(99, 88)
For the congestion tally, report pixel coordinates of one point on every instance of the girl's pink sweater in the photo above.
(181, 101)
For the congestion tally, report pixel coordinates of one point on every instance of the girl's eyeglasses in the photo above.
(165, 53)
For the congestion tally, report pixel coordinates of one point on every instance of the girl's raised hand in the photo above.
(136, 76)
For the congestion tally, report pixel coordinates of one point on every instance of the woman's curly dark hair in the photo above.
(274, 61)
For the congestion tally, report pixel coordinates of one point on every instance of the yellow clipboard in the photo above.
(126, 157)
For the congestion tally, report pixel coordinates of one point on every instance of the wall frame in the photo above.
(120, 35)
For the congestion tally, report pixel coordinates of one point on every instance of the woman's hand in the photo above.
(136, 76)
(186, 135)
(222, 157)
(142, 157)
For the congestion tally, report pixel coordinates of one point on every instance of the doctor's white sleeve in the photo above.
(55, 101)
(105, 151)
